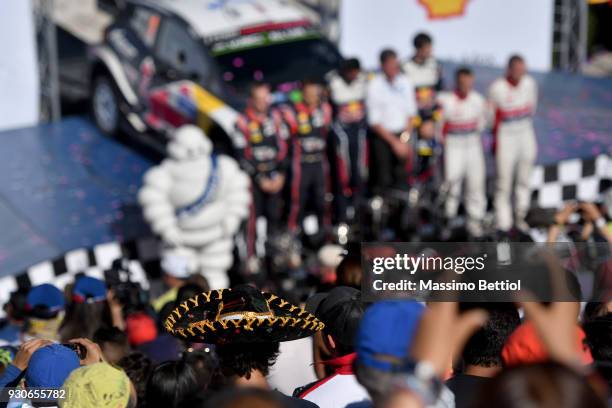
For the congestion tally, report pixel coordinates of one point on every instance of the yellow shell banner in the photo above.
(443, 8)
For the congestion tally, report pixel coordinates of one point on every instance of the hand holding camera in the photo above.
(88, 351)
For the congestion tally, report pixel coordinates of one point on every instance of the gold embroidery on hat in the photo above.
(241, 315)
(268, 305)
(210, 325)
(219, 310)
(195, 300)
(239, 320)
(169, 326)
(198, 325)
(249, 323)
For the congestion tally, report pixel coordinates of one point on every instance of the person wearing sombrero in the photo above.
(246, 326)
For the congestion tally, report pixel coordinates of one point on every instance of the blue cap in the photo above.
(49, 366)
(88, 290)
(387, 328)
(46, 297)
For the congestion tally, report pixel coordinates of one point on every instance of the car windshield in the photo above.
(279, 64)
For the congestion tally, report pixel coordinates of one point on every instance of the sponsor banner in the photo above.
(262, 39)
(487, 272)
(482, 32)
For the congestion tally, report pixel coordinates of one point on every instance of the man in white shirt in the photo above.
(390, 105)
(463, 116)
(513, 102)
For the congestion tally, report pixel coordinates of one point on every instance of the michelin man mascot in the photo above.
(196, 200)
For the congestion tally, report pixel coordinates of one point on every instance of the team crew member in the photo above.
(347, 89)
(261, 137)
(424, 163)
(513, 100)
(425, 72)
(463, 116)
(309, 122)
(390, 107)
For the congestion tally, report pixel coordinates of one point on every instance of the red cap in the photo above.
(140, 328)
(524, 346)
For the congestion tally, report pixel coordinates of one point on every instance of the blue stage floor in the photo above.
(65, 186)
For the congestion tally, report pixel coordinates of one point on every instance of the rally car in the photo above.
(164, 63)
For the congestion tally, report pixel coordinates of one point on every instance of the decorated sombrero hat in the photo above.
(239, 315)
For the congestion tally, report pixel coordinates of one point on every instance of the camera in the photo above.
(130, 294)
(79, 349)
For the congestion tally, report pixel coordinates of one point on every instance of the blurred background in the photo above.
(42, 36)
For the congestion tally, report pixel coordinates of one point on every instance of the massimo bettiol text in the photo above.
(490, 271)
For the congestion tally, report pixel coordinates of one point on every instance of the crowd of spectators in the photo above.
(334, 350)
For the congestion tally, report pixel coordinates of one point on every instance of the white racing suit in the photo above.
(462, 120)
(513, 106)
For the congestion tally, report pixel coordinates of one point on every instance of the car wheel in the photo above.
(105, 105)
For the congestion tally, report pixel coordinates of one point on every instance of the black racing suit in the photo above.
(422, 166)
(309, 175)
(349, 130)
(263, 153)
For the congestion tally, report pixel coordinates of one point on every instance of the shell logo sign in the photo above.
(438, 9)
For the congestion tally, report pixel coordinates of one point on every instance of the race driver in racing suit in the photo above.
(513, 101)
(261, 138)
(309, 122)
(347, 89)
(463, 117)
(425, 73)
